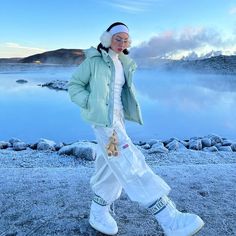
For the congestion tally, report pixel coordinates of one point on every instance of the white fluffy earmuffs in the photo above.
(106, 39)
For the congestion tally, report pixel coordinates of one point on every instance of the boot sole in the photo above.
(102, 231)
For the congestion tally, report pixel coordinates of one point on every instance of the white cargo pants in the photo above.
(127, 171)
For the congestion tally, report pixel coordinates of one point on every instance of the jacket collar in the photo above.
(126, 61)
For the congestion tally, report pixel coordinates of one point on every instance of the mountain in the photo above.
(10, 60)
(60, 56)
(217, 64)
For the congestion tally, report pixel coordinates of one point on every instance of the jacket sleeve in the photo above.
(77, 86)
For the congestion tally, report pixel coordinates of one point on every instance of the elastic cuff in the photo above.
(159, 205)
(99, 200)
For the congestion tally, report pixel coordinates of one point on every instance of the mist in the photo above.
(184, 104)
(179, 104)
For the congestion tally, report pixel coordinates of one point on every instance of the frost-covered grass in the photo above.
(43, 193)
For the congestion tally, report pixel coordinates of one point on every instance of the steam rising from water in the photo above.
(173, 105)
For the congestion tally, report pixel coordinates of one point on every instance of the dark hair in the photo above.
(100, 46)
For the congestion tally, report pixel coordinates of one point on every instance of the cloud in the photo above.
(131, 6)
(11, 49)
(232, 11)
(170, 42)
(17, 46)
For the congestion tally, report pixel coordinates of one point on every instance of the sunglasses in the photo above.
(120, 40)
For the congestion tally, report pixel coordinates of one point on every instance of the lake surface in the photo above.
(180, 105)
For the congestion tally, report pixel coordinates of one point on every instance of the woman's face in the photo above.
(119, 42)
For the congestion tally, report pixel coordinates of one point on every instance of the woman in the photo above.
(102, 86)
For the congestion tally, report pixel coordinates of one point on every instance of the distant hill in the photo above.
(60, 56)
(10, 60)
(218, 64)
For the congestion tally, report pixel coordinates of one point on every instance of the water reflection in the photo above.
(173, 105)
(184, 104)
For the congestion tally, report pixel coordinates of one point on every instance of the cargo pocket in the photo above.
(128, 163)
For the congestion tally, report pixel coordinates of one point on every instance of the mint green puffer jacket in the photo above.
(92, 88)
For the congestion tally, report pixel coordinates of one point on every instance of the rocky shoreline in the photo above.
(87, 149)
(54, 84)
(54, 189)
(50, 182)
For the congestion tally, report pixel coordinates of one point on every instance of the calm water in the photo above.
(178, 105)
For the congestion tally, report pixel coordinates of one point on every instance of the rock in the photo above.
(59, 146)
(182, 146)
(94, 141)
(4, 145)
(195, 138)
(19, 146)
(139, 143)
(21, 81)
(206, 142)
(57, 85)
(195, 144)
(186, 140)
(210, 149)
(215, 139)
(227, 142)
(67, 150)
(14, 140)
(45, 144)
(218, 145)
(185, 143)
(167, 141)
(233, 147)
(158, 148)
(84, 150)
(152, 141)
(225, 149)
(86, 153)
(146, 146)
(175, 146)
(33, 146)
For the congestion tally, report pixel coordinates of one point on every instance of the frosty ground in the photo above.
(43, 193)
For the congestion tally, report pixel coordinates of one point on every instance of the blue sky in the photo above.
(173, 28)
